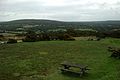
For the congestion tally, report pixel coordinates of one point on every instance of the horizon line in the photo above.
(61, 20)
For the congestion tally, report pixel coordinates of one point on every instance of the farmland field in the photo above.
(40, 60)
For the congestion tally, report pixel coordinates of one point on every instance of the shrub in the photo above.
(12, 41)
(70, 39)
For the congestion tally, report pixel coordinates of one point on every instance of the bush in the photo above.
(70, 39)
(29, 40)
(30, 37)
(12, 41)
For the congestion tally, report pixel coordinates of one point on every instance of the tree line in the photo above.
(69, 34)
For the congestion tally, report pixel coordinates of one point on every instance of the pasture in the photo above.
(40, 60)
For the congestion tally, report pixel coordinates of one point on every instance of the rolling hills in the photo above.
(41, 24)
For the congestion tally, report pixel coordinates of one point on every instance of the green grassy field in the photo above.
(40, 60)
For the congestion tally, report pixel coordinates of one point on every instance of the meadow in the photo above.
(41, 60)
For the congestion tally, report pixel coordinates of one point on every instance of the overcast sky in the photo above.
(63, 10)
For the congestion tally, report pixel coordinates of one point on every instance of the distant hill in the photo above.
(42, 24)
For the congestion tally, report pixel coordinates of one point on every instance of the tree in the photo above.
(30, 36)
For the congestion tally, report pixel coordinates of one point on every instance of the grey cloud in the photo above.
(69, 10)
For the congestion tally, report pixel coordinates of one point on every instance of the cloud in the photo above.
(69, 10)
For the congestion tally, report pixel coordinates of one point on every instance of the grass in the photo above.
(40, 60)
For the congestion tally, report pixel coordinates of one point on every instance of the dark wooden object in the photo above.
(115, 52)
